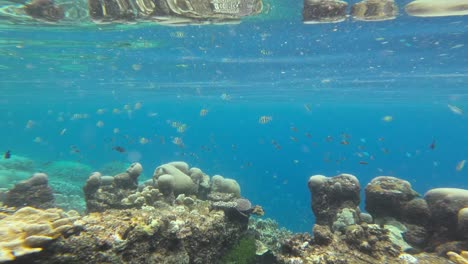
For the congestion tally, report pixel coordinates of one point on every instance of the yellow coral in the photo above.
(28, 230)
(461, 258)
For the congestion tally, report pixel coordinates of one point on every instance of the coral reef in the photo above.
(182, 215)
(138, 224)
(30, 230)
(107, 192)
(33, 192)
(392, 202)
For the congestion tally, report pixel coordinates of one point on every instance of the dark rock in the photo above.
(331, 196)
(324, 11)
(322, 235)
(44, 10)
(416, 235)
(444, 205)
(387, 196)
(34, 192)
(416, 211)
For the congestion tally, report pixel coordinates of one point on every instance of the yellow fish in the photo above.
(178, 141)
(203, 112)
(182, 128)
(460, 165)
(265, 120)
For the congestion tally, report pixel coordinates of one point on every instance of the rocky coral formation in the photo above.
(335, 200)
(392, 202)
(180, 234)
(448, 212)
(30, 230)
(108, 192)
(33, 192)
(359, 244)
(398, 216)
(128, 223)
(169, 182)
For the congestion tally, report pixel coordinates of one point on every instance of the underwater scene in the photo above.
(234, 131)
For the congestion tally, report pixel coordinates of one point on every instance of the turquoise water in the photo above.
(327, 88)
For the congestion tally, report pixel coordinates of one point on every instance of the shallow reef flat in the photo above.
(183, 215)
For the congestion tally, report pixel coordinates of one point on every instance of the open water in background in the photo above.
(349, 75)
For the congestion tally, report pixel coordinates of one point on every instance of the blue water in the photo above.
(349, 75)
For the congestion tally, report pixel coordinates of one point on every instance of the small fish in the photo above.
(63, 131)
(7, 154)
(460, 165)
(265, 120)
(225, 97)
(177, 34)
(307, 107)
(137, 106)
(143, 141)
(455, 109)
(433, 144)
(29, 124)
(363, 162)
(100, 111)
(387, 118)
(136, 67)
(119, 149)
(74, 149)
(178, 141)
(182, 128)
(203, 112)
(344, 142)
(100, 124)
(116, 130)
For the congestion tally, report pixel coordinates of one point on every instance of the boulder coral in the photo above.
(225, 185)
(445, 205)
(183, 183)
(335, 200)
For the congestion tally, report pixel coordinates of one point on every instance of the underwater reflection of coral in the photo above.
(44, 10)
